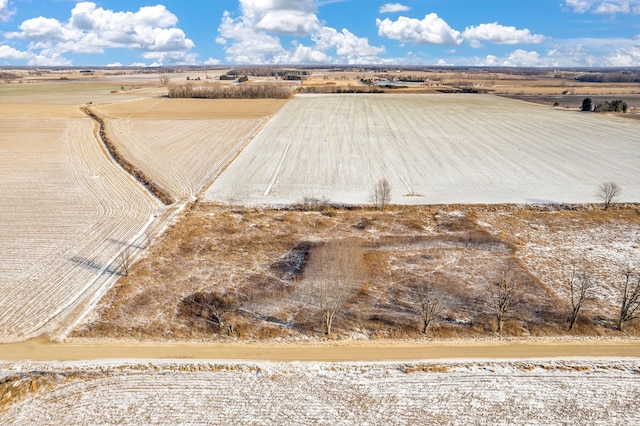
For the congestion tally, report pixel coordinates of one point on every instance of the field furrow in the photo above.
(181, 156)
(70, 212)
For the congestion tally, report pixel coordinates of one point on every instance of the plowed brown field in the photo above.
(181, 156)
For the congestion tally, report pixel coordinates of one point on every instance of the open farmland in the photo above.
(432, 149)
(453, 392)
(67, 213)
(72, 219)
(181, 156)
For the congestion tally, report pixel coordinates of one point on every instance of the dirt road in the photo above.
(39, 350)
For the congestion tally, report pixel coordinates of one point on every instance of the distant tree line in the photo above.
(8, 77)
(268, 72)
(621, 77)
(215, 91)
(340, 89)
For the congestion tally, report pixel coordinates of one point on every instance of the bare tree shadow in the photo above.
(126, 244)
(90, 264)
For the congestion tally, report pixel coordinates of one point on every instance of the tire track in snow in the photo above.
(274, 179)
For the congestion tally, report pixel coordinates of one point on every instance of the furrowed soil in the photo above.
(68, 212)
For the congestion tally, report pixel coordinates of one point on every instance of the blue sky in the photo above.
(551, 33)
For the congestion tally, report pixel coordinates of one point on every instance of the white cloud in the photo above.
(430, 30)
(624, 57)
(171, 57)
(349, 47)
(393, 8)
(246, 45)
(252, 37)
(524, 58)
(443, 63)
(8, 52)
(5, 12)
(45, 30)
(571, 54)
(499, 34)
(434, 30)
(491, 60)
(211, 61)
(291, 17)
(91, 29)
(48, 58)
(307, 55)
(609, 7)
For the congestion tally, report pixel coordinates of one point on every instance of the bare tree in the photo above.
(146, 240)
(630, 300)
(607, 193)
(211, 307)
(164, 79)
(381, 194)
(125, 260)
(506, 290)
(332, 276)
(580, 286)
(429, 305)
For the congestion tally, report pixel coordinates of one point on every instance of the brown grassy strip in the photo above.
(16, 388)
(138, 174)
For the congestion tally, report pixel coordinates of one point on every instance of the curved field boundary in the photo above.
(134, 171)
(67, 221)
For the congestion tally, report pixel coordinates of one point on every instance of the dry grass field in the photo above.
(231, 273)
(551, 244)
(190, 109)
(432, 149)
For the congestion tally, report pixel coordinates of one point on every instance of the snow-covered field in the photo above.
(432, 149)
(454, 392)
